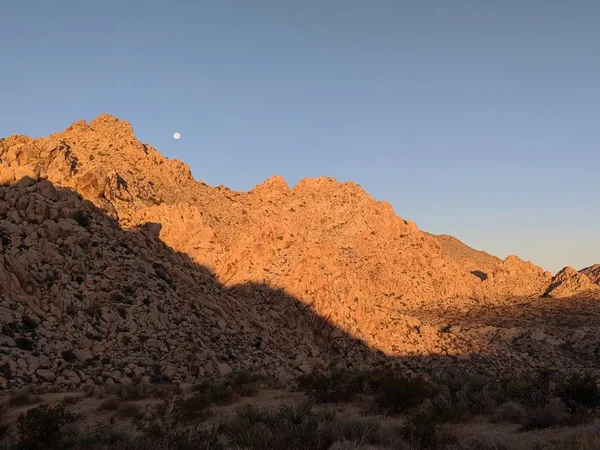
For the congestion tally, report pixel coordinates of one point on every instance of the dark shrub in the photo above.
(222, 392)
(401, 394)
(130, 410)
(110, 404)
(530, 389)
(22, 398)
(42, 426)
(420, 430)
(71, 400)
(333, 387)
(579, 391)
(510, 411)
(131, 392)
(174, 417)
(293, 427)
(457, 397)
(543, 417)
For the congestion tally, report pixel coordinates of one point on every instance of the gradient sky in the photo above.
(478, 119)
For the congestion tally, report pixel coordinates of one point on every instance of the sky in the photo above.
(478, 119)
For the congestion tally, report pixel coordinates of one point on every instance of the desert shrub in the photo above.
(110, 404)
(22, 398)
(245, 383)
(420, 429)
(546, 416)
(579, 391)
(108, 439)
(530, 389)
(587, 440)
(7, 436)
(333, 387)
(291, 427)
(392, 392)
(94, 391)
(457, 397)
(238, 380)
(131, 392)
(401, 394)
(477, 444)
(70, 400)
(43, 426)
(192, 409)
(161, 390)
(510, 411)
(352, 429)
(450, 406)
(130, 410)
(222, 392)
(175, 418)
(390, 436)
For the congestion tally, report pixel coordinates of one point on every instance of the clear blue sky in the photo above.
(473, 118)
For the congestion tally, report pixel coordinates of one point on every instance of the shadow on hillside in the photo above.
(249, 325)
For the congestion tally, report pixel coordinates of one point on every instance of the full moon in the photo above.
(176, 136)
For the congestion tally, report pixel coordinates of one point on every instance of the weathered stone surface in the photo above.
(224, 368)
(46, 374)
(83, 354)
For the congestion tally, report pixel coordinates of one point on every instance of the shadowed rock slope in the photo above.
(82, 300)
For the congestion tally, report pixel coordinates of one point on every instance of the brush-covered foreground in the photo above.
(343, 410)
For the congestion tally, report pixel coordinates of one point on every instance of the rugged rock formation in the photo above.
(303, 276)
(569, 282)
(82, 301)
(593, 273)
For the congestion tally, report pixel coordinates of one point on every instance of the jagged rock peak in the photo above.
(274, 184)
(569, 282)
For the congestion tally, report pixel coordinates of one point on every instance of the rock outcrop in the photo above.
(83, 301)
(116, 264)
(569, 282)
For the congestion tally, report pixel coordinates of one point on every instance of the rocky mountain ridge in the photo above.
(324, 248)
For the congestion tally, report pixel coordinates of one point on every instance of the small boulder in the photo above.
(82, 354)
(46, 374)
